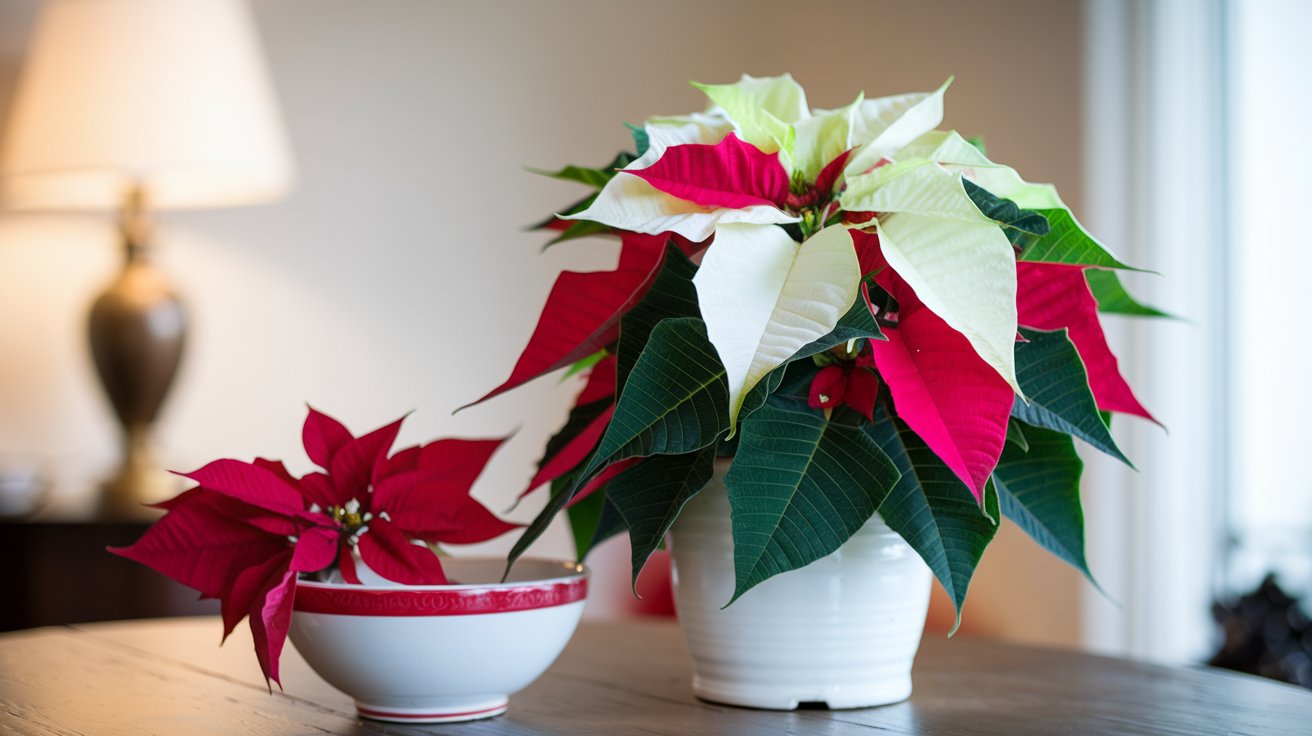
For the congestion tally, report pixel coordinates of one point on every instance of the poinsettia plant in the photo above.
(866, 313)
(248, 531)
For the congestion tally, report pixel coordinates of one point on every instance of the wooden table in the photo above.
(170, 677)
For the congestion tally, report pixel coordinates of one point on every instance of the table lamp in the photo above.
(135, 106)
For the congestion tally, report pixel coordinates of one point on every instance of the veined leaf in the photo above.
(1114, 299)
(799, 487)
(933, 510)
(1067, 242)
(1040, 491)
(1053, 376)
(764, 297)
(671, 295)
(674, 401)
(1021, 226)
(650, 495)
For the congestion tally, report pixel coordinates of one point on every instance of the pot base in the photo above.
(844, 697)
(444, 713)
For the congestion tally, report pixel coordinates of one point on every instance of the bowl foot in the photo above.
(443, 713)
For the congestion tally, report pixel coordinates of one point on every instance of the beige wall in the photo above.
(397, 277)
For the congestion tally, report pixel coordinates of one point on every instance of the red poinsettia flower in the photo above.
(249, 530)
(851, 383)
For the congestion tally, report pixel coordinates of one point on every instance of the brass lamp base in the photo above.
(137, 330)
(139, 481)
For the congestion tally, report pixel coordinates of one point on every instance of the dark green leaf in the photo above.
(1068, 242)
(1114, 299)
(1021, 226)
(933, 510)
(676, 400)
(1052, 376)
(672, 295)
(1040, 491)
(584, 518)
(799, 487)
(651, 494)
(1016, 436)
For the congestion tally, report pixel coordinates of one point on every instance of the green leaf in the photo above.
(651, 494)
(1114, 299)
(1040, 491)
(1016, 435)
(676, 398)
(584, 518)
(595, 178)
(933, 510)
(1053, 377)
(641, 140)
(1068, 242)
(578, 229)
(1021, 226)
(675, 401)
(978, 142)
(799, 487)
(671, 296)
(585, 363)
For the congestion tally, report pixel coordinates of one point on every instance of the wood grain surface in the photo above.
(170, 677)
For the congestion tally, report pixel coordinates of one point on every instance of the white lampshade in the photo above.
(170, 95)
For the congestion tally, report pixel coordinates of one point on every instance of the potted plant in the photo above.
(345, 558)
(833, 338)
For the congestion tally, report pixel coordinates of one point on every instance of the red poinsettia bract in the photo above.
(248, 530)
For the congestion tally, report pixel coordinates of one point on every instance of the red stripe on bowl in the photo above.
(463, 601)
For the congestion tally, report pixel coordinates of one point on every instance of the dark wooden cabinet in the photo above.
(58, 572)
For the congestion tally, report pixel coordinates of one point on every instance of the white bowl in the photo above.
(440, 653)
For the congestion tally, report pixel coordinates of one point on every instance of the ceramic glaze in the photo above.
(842, 631)
(440, 653)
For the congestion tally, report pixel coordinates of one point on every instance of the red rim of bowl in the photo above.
(444, 600)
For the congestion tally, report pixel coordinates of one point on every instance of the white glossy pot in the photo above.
(841, 631)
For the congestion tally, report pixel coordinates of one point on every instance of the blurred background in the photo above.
(395, 273)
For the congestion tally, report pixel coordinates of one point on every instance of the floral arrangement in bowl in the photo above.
(249, 531)
(866, 313)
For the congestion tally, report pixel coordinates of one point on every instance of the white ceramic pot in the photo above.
(439, 653)
(841, 631)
